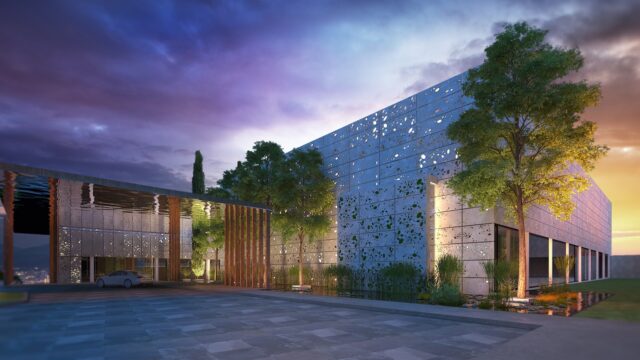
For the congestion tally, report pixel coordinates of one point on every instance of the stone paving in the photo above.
(196, 325)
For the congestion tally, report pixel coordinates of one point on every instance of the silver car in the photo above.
(119, 278)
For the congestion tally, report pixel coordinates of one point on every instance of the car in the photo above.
(120, 278)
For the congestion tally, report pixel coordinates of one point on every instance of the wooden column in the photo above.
(7, 245)
(268, 251)
(247, 225)
(230, 268)
(263, 274)
(254, 252)
(54, 241)
(174, 238)
(236, 245)
(226, 245)
(243, 243)
(247, 246)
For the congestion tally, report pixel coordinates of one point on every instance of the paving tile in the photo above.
(223, 346)
(281, 319)
(77, 339)
(405, 353)
(480, 338)
(326, 332)
(397, 323)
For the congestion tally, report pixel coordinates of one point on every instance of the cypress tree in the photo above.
(197, 181)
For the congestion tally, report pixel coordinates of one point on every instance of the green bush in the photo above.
(503, 277)
(449, 270)
(338, 275)
(399, 279)
(448, 295)
(293, 275)
(485, 304)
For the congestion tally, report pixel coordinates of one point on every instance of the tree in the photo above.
(302, 200)
(197, 181)
(218, 192)
(254, 178)
(207, 233)
(520, 141)
(199, 237)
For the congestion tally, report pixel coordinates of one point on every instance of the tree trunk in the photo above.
(522, 254)
(300, 273)
(215, 268)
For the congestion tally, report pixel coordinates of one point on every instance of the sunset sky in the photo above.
(128, 90)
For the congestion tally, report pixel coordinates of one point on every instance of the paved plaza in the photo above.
(215, 322)
(189, 324)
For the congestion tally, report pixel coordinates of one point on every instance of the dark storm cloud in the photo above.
(608, 34)
(597, 23)
(68, 155)
(85, 86)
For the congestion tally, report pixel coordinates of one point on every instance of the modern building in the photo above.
(393, 205)
(77, 228)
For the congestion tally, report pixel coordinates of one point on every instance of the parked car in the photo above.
(120, 278)
(16, 279)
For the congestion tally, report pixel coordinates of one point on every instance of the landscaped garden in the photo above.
(405, 282)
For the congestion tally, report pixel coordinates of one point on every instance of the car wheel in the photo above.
(127, 283)
(100, 283)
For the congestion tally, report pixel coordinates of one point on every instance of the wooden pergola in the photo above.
(246, 235)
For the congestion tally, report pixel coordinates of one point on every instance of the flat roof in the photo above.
(121, 184)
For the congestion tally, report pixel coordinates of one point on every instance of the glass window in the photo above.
(85, 270)
(559, 250)
(585, 264)
(506, 243)
(600, 265)
(573, 272)
(606, 266)
(538, 260)
(593, 265)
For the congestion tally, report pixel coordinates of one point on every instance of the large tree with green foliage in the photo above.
(253, 179)
(524, 133)
(197, 180)
(302, 200)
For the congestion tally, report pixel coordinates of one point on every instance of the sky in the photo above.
(128, 90)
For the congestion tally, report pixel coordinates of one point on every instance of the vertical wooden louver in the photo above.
(174, 239)
(53, 231)
(246, 246)
(7, 245)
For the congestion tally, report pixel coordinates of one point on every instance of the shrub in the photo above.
(423, 296)
(338, 275)
(564, 264)
(399, 278)
(293, 275)
(502, 276)
(485, 304)
(449, 270)
(448, 295)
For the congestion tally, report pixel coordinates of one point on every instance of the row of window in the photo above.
(540, 263)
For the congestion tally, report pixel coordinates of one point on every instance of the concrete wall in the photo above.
(625, 266)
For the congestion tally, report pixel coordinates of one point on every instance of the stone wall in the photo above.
(625, 266)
